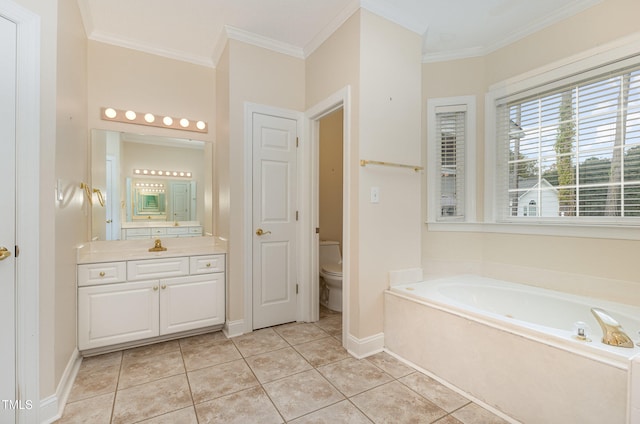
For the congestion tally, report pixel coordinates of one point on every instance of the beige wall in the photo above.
(591, 266)
(331, 67)
(330, 174)
(385, 126)
(390, 79)
(255, 75)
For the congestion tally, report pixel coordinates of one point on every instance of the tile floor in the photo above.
(294, 373)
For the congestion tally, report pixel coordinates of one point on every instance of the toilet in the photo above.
(330, 262)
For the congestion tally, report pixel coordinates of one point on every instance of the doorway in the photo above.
(330, 188)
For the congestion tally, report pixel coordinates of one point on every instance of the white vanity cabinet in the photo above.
(128, 301)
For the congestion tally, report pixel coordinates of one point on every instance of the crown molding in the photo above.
(135, 45)
(352, 7)
(557, 16)
(261, 41)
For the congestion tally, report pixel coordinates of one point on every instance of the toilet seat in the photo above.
(334, 270)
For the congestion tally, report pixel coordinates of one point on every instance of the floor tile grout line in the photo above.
(193, 403)
(115, 392)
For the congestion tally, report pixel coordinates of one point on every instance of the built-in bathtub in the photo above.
(514, 347)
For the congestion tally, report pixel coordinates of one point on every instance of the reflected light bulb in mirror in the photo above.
(201, 125)
(131, 115)
(184, 123)
(149, 118)
(167, 121)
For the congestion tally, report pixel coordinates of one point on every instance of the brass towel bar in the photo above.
(364, 162)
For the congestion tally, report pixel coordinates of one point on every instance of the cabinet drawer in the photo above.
(101, 273)
(177, 230)
(206, 264)
(132, 232)
(156, 232)
(195, 230)
(149, 269)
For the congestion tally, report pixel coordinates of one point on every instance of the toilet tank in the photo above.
(329, 252)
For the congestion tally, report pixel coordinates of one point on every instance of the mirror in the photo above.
(148, 183)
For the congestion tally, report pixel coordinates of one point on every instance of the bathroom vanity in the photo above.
(147, 230)
(128, 295)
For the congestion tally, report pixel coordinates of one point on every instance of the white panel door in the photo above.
(274, 220)
(181, 201)
(7, 217)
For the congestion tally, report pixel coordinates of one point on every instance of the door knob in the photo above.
(260, 232)
(4, 253)
(109, 221)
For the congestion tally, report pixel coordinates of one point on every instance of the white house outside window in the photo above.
(571, 152)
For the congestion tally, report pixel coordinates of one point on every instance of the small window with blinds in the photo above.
(571, 151)
(450, 151)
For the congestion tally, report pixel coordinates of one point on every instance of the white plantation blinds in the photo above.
(572, 151)
(450, 149)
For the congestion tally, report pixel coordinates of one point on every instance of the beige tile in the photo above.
(181, 416)
(260, 341)
(395, 403)
(151, 399)
(323, 351)
(341, 412)
(352, 376)
(208, 353)
(95, 410)
(220, 380)
(152, 350)
(247, 406)
(326, 312)
(143, 369)
(332, 324)
(206, 338)
(297, 333)
(101, 361)
(472, 414)
(448, 420)
(277, 364)
(390, 365)
(437, 393)
(95, 378)
(301, 394)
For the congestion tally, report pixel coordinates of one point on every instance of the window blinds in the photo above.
(573, 151)
(451, 139)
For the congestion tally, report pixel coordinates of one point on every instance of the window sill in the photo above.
(617, 232)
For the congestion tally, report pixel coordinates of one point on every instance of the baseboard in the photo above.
(361, 348)
(233, 328)
(52, 407)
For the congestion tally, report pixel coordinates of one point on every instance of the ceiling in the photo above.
(195, 30)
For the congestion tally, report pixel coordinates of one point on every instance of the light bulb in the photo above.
(201, 125)
(149, 118)
(131, 115)
(110, 113)
(167, 121)
(184, 123)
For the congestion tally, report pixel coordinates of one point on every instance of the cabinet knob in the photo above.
(164, 286)
(102, 273)
(155, 288)
(208, 265)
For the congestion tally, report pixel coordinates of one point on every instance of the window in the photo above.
(571, 151)
(451, 156)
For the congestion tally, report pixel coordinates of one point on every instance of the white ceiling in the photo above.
(195, 30)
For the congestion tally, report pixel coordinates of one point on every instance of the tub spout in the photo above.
(612, 333)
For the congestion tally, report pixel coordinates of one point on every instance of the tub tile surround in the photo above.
(273, 375)
(526, 379)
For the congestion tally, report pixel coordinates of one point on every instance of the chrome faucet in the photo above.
(612, 333)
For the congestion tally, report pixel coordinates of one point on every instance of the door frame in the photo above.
(311, 200)
(27, 205)
(249, 110)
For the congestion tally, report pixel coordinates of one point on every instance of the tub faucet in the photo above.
(612, 333)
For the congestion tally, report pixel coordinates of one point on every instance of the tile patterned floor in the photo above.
(295, 373)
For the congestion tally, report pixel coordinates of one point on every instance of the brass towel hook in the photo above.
(87, 191)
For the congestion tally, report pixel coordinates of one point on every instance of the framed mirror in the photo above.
(149, 183)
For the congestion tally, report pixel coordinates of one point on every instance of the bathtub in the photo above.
(514, 347)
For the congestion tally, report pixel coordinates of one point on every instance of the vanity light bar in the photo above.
(160, 173)
(149, 119)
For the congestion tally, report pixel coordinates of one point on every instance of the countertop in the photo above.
(126, 250)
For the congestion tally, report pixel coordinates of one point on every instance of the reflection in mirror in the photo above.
(150, 183)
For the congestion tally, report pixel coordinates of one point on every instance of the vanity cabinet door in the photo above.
(191, 302)
(117, 313)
